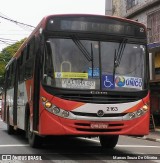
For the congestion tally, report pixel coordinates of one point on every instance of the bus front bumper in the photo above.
(53, 125)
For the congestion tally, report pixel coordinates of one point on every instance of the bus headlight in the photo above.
(137, 113)
(132, 115)
(54, 109)
(65, 113)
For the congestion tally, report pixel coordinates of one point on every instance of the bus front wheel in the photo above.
(108, 141)
(34, 140)
(10, 129)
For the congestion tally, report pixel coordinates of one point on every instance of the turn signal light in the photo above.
(145, 107)
(48, 104)
(44, 99)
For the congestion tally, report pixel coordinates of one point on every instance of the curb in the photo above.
(151, 139)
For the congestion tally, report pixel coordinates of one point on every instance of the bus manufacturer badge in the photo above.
(100, 113)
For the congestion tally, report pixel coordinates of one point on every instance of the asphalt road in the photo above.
(73, 150)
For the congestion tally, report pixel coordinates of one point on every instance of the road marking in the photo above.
(157, 161)
(139, 146)
(14, 145)
(130, 146)
(91, 139)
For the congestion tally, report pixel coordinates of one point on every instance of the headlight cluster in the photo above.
(138, 113)
(54, 109)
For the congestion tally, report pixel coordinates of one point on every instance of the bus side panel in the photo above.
(22, 99)
(3, 115)
(9, 106)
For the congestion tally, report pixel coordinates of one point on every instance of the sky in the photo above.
(32, 11)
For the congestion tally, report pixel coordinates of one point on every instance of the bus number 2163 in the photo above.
(112, 108)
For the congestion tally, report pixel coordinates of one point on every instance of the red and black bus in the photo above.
(79, 75)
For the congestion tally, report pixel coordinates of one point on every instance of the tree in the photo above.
(5, 55)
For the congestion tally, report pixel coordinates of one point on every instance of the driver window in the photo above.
(48, 65)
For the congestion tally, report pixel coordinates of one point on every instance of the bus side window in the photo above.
(10, 75)
(5, 80)
(36, 44)
(48, 75)
(21, 67)
(13, 71)
(32, 47)
(24, 55)
(29, 64)
(8, 80)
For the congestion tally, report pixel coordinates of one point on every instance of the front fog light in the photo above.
(132, 115)
(65, 113)
(56, 110)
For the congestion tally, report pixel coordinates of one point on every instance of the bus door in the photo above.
(20, 91)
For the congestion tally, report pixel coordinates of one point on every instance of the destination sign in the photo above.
(99, 24)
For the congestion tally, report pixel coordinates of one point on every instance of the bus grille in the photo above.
(101, 99)
(95, 114)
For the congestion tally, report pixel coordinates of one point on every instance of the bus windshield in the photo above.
(71, 63)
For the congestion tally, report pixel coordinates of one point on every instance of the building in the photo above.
(148, 13)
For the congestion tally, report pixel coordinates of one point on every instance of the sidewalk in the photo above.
(154, 135)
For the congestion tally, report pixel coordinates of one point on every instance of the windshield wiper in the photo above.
(84, 51)
(114, 66)
(92, 59)
(118, 56)
(82, 48)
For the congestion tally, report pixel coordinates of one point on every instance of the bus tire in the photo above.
(34, 140)
(10, 129)
(108, 141)
(27, 113)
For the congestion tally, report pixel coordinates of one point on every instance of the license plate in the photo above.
(99, 125)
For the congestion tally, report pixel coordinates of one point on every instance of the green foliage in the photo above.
(6, 54)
